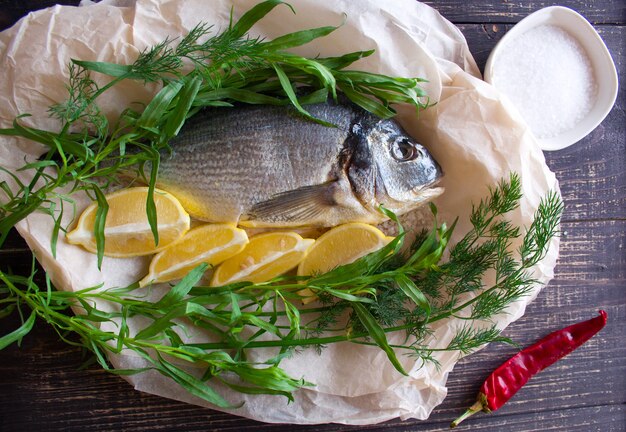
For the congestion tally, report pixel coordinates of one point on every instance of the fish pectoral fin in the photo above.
(298, 207)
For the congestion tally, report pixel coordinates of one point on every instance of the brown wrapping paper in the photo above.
(477, 138)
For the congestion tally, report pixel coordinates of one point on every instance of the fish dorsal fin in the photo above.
(302, 206)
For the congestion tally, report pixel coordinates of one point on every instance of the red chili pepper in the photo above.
(511, 376)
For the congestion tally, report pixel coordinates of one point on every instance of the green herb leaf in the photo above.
(110, 69)
(253, 16)
(187, 96)
(192, 384)
(377, 333)
(299, 38)
(159, 105)
(99, 224)
(413, 292)
(17, 334)
(291, 94)
(182, 288)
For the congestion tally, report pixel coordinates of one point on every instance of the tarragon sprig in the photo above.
(203, 68)
(393, 290)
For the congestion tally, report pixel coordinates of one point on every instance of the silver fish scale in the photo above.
(224, 161)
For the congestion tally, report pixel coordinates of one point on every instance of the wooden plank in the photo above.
(13, 10)
(598, 418)
(40, 388)
(489, 11)
(594, 251)
(457, 11)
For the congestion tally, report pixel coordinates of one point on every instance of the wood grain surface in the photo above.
(43, 389)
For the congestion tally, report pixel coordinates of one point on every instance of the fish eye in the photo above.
(404, 150)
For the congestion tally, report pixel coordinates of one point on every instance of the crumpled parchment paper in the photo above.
(471, 131)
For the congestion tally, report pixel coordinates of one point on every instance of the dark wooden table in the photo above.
(42, 389)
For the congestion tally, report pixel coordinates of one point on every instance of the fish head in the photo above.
(406, 172)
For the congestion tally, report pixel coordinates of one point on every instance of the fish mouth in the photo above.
(415, 198)
(428, 191)
(433, 182)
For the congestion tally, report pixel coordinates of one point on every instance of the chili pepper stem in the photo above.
(478, 406)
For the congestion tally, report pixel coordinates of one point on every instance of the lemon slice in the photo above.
(127, 231)
(265, 257)
(209, 244)
(341, 245)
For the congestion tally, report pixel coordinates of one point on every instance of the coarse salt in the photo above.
(548, 76)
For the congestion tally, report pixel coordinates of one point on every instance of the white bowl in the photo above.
(599, 57)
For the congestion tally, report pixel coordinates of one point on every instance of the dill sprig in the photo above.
(393, 290)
